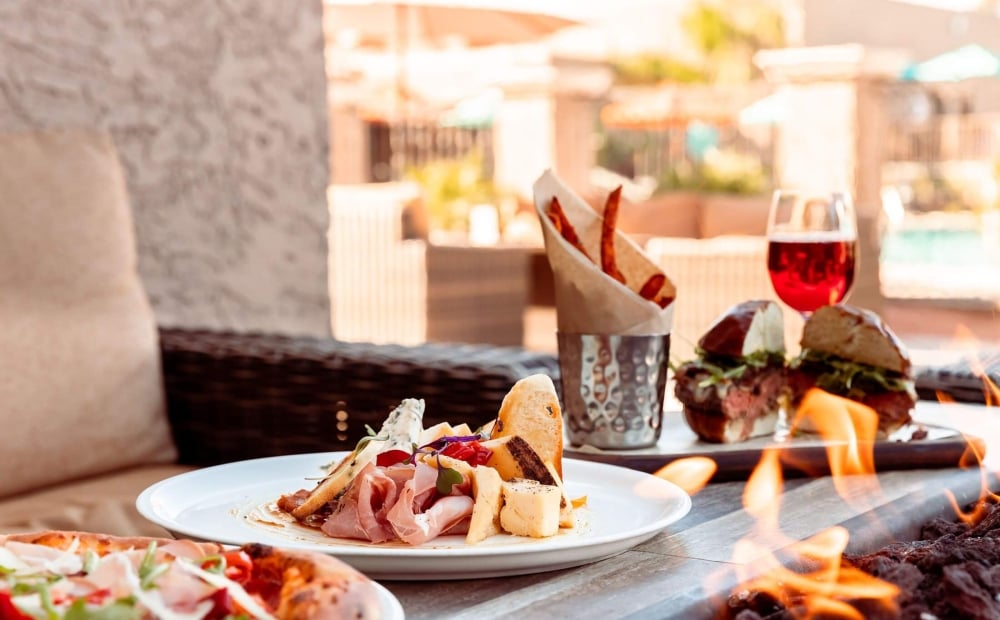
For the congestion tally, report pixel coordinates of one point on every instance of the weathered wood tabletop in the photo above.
(687, 570)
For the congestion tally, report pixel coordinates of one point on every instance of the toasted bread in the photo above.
(513, 457)
(530, 410)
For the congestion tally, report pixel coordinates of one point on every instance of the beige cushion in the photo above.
(103, 504)
(80, 390)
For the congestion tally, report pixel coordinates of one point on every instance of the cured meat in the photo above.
(399, 502)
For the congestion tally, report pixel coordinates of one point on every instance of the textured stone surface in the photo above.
(218, 110)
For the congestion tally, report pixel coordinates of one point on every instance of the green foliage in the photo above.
(650, 68)
(721, 171)
(451, 187)
(729, 34)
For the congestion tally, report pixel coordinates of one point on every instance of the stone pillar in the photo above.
(523, 129)
(581, 87)
(832, 134)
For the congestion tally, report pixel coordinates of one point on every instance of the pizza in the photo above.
(79, 575)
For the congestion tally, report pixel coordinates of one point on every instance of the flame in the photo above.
(691, 473)
(810, 578)
(849, 430)
(820, 585)
(821, 591)
(986, 426)
(761, 496)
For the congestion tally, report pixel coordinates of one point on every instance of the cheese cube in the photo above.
(530, 508)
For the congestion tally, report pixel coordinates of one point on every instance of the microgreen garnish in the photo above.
(119, 610)
(41, 588)
(90, 561)
(847, 378)
(721, 369)
(447, 478)
(148, 569)
(439, 444)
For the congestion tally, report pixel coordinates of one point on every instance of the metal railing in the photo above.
(395, 148)
(948, 137)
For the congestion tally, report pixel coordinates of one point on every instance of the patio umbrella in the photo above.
(383, 23)
(964, 63)
(402, 26)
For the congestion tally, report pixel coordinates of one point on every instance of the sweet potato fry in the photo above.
(564, 227)
(651, 289)
(608, 262)
(663, 301)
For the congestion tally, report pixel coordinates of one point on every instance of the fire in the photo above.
(690, 474)
(819, 585)
(849, 430)
(986, 426)
(809, 578)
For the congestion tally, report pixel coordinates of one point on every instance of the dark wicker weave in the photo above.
(234, 396)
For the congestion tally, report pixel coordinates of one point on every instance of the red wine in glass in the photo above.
(809, 271)
(812, 241)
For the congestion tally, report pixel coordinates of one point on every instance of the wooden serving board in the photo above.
(806, 455)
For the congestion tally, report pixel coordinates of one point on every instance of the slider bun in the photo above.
(716, 427)
(857, 335)
(747, 327)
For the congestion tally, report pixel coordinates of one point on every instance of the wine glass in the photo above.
(811, 246)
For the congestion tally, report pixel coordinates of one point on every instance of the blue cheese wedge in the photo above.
(400, 431)
(530, 508)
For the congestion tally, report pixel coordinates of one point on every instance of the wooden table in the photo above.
(685, 571)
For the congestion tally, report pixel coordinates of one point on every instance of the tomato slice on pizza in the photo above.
(75, 576)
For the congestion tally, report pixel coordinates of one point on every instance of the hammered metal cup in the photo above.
(613, 388)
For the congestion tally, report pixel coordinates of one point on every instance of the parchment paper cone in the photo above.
(588, 301)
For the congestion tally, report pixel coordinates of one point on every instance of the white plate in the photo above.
(234, 503)
(389, 605)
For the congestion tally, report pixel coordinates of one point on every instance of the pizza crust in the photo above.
(314, 585)
(101, 544)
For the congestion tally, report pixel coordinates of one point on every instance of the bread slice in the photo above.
(531, 410)
(855, 334)
(513, 457)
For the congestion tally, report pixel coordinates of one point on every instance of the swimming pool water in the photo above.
(958, 247)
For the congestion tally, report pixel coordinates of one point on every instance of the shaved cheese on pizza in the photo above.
(240, 595)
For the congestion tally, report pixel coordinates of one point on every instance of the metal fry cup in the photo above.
(613, 388)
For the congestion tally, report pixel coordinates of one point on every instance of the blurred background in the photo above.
(363, 168)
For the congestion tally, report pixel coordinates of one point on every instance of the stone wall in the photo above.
(218, 110)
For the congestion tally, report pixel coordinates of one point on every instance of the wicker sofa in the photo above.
(234, 396)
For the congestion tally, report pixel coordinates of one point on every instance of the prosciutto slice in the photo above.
(400, 502)
(361, 512)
